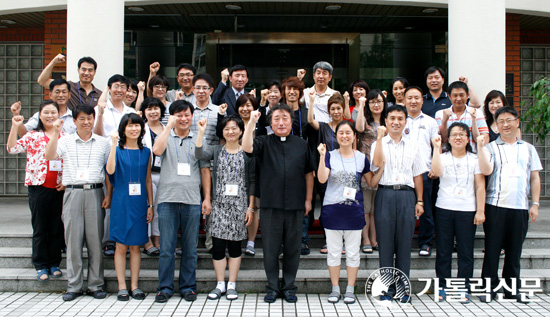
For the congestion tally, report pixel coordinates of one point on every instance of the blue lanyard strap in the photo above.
(176, 147)
(130, 163)
(89, 154)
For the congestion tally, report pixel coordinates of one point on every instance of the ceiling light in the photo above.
(8, 21)
(409, 27)
(430, 10)
(154, 26)
(333, 7)
(233, 7)
(136, 9)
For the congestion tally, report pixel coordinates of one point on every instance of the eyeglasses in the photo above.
(160, 87)
(117, 87)
(183, 75)
(201, 88)
(376, 102)
(507, 121)
(459, 135)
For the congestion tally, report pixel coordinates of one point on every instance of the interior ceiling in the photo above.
(281, 17)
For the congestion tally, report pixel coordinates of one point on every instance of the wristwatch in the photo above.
(420, 202)
(150, 206)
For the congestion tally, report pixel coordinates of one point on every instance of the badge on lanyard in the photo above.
(460, 191)
(82, 174)
(349, 193)
(510, 170)
(134, 189)
(55, 166)
(231, 190)
(184, 169)
(398, 178)
(157, 161)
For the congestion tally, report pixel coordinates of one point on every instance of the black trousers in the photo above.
(504, 228)
(219, 246)
(281, 226)
(451, 224)
(46, 205)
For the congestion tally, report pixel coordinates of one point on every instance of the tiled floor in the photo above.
(51, 304)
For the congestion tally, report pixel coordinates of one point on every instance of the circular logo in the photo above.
(386, 284)
(407, 131)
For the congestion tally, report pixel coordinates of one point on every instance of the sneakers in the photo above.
(305, 249)
(425, 250)
(249, 250)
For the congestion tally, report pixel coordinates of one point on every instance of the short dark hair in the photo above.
(458, 85)
(59, 81)
(282, 107)
(232, 117)
(186, 66)
(336, 98)
(345, 122)
(358, 83)
(132, 83)
(151, 102)
(432, 70)
(45, 103)
(413, 87)
(508, 109)
(275, 83)
(292, 82)
(243, 99)
(205, 77)
(118, 79)
(181, 105)
(124, 121)
(83, 108)
(87, 59)
(464, 127)
(237, 68)
(490, 96)
(159, 80)
(400, 108)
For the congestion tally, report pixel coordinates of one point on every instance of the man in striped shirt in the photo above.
(513, 167)
(461, 112)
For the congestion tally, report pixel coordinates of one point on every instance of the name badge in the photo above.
(511, 170)
(184, 169)
(398, 178)
(349, 193)
(231, 190)
(157, 161)
(460, 191)
(134, 189)
(55, 166)
(82, 175)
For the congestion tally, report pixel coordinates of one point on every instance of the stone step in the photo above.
(249, 281)
(534, 240)
(531, 259)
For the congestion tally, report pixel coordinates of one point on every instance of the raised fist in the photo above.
(201, 125)
(16, 108)
(255, 116)
(480, 141)
(472, 112)
(17, 120)
(114, 137)
(179, 95)
(171, 121)
(59, 58)
(322, 148)
(225, 75)
(154, 68)
(311, 96)
(463, 79)
(436, 142)
(58, 125)
(301, 73)
(346, 97)
(362, 101)
(381, 131)
(141, 86)
(447, 113)
(223, 109)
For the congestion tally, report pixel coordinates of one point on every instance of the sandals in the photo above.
(334, 297)
(138, 294)
(231, 294)
(54, 270)
(349, 298)
(216, 293)
(324, 249)
(123, 295)
(367, 248)
(41, 273)
(152, 251)
(466, 298)
(442, 295)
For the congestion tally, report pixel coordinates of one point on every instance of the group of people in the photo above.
(135, 164)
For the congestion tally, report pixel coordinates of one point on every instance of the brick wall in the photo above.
(22, 35)
(55, 36)
(513, 54)
(535, 37)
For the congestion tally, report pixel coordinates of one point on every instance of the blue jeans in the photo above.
(171, 217)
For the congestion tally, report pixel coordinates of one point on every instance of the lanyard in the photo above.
(89, 154)
(188, 151)
(130, 163)
(80, 98)
(344, 167)
(467, 169)
(394, 157)
(506, 156)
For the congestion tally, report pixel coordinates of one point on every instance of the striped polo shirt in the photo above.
(509, 184)
(466, 118)
(79, 154)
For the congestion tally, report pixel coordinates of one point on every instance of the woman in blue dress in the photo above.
(129, 170)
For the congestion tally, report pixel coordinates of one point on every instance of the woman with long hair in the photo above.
(398, 87)
(495, 100)
(357, 89)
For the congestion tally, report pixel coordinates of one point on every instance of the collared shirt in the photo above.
(431, 105)
(174, 188)
(283, 166)
(34, 143)
(111, 117)
(465, 118)
(171, 96)
(210, 112)
(235, 92)
(79, 95)
(457, 183)
(320, 103)
(422, 129)
(402, 161)
(68, 122)
(78, 154)
(509, 184)
(164, 120)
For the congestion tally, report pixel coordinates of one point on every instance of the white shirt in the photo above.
(456, 187)
(402, 161)
(320, 108)
(68, 122)
(422, 129)
(111, 117)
